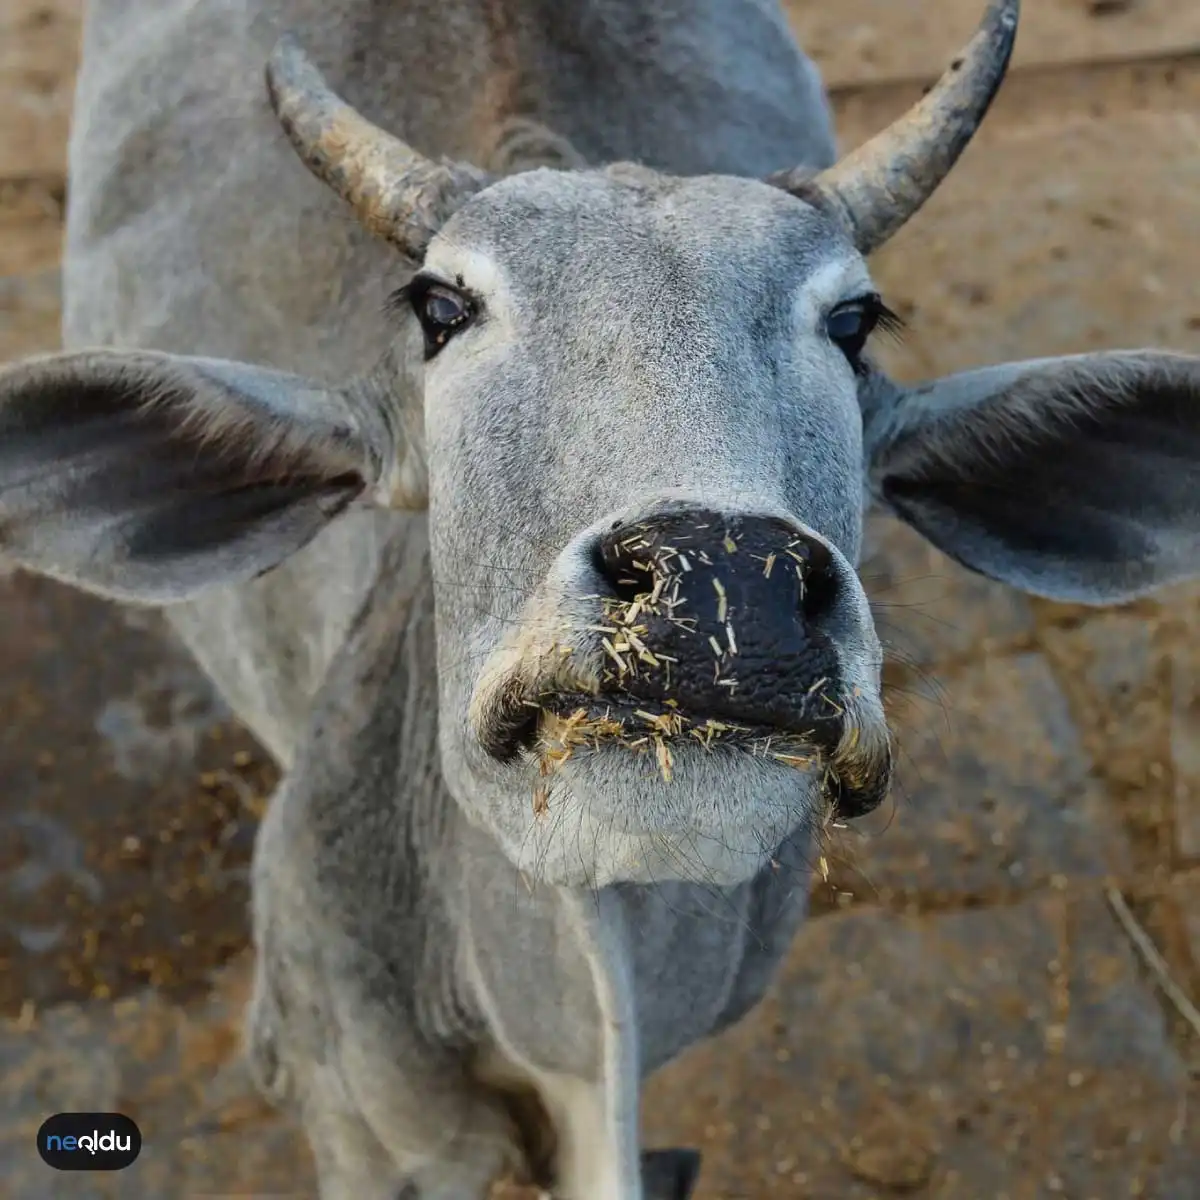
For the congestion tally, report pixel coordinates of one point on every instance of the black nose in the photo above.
(731, 612)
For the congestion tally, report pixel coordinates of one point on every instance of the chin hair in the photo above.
(608, 816)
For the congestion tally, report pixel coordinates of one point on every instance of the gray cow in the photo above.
(527, 542)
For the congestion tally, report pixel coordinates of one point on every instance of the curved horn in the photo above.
(398, 194)
(878, 187)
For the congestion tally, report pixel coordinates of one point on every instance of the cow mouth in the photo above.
(560, 725)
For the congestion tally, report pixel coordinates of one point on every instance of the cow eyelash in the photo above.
(886, 320)
(851, 336)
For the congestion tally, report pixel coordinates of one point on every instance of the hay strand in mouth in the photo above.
(665, 760)
(645, 731)
(793, 760)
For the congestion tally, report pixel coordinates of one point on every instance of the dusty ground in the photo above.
(966, 1017)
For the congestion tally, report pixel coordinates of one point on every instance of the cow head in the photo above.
(643, 418)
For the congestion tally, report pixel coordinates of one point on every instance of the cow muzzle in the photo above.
(712, 632)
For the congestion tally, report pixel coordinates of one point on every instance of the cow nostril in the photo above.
(820, 584)
(626, 580)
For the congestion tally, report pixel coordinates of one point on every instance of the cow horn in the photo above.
(878, 187)
(398, 194)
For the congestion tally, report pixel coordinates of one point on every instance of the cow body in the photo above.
(193, 229)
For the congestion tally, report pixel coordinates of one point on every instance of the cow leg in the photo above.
(385, 1112)
(354, 1164)
(382, 1120)
(378, 1133)
(351, 1162)
(596, 1159)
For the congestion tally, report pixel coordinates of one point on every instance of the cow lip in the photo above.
(651, 718)
(851, 790)
(517, 727)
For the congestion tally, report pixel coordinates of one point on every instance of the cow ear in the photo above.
(1073, 478)
(151, 477)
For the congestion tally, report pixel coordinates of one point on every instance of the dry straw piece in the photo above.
(1153, 959)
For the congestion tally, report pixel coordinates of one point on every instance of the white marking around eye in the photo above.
(485, 278)
(828, 285)
(479, 272)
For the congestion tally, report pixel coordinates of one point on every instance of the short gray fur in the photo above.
(429, 946)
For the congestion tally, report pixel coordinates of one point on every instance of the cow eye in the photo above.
(442, 311)
(850, 324)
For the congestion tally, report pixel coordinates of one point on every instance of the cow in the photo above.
(488, 402)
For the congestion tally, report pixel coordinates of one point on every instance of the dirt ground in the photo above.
(969, 1014)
